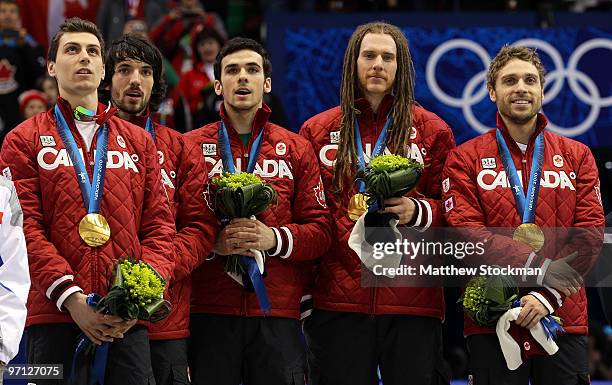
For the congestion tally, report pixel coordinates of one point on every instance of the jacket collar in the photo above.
(140, 120)
(365, 108)
(261, 118)
(103, 114)
(541, 124)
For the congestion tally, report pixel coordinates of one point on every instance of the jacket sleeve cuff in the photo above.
(535, 261)
(423, 215)
(61, 289)
(550, 297)
(284, 242)
(543, 300)
(306, 306)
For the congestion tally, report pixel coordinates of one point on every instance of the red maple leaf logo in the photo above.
(7, 71)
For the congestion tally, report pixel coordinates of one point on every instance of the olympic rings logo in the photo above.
(476, 90)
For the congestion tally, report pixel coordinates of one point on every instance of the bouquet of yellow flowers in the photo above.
(487, 298)
(240, 195)
(136, 292)
(390, 176)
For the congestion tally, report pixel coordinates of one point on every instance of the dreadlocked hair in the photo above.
(401, 110)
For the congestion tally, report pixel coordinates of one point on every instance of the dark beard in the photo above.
(132, 110)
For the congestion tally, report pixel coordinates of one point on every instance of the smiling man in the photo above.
(90, 186)
(560, 231)
(354, 329)
(134, 81)
(232, 341)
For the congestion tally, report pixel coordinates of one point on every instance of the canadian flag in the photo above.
(449, 204)
(42, 18)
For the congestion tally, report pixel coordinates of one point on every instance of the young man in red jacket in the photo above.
(489, 183)
(136, 87)
(232, 341)
(77, 228)
(353, 329)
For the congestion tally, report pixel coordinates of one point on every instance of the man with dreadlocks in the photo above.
(395, 328)
(136, 87)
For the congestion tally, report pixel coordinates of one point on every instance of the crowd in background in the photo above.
(190, 33)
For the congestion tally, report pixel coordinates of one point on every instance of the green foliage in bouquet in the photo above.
(241, 195)
(136, 292)
(487, 298)
(390, 176)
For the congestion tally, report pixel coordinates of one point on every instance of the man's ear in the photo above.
(492, 94)
(51, 68)
(268, 85)
(218, 88)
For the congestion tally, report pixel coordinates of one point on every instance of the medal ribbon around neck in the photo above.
(358, 205)
(525, 205)
(379, 148)
(91, 192)
(528, 232)
(93, 228)
(228, 165)
(150, 128)
(226, 150)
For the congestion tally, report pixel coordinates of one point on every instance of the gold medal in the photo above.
(94, 229)
(531, 234)
(357, 206)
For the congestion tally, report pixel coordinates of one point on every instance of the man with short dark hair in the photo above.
(134, 82)
(91, 192)
(232, 340)
(535, 197)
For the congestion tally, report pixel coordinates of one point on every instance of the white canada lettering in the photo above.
(490, 179)
(269, 168)
(50, 159)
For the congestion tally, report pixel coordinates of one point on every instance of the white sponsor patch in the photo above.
(446, 185)
(413, 133)
(7, 173)
(121, 141)
(558, 160)
(488, 162)
(281, 148)
(47, 141)
(161, 157)
(334, 137)
(209, 148)
(449, 204)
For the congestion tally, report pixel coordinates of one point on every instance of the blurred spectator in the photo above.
(42, 18)
(140, 28)
(206, 45)
(32, 102)
(174, 32)
(21, 62)
(48, 85)
(114, 14)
